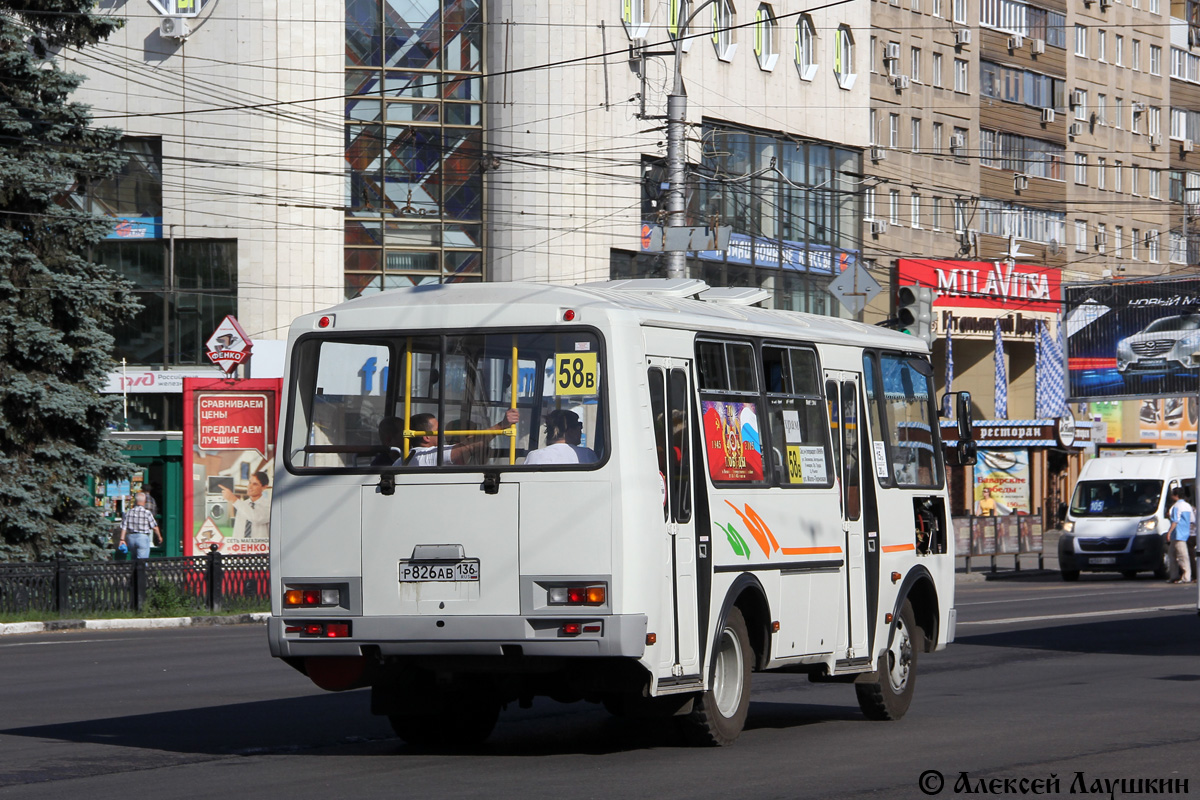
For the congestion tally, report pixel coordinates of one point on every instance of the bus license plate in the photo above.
(1103, 560)
(464, 570)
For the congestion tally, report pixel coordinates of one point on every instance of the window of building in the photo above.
(1154, 7)
(1155, 180)
(1013, 16)
(1135, 178)
(914, 65)
(1081, 236)
(1101, 45)
(1135, 244)
(1015, 85)
(914, 209)
(1178, 248)
(1101, 172)
(935, 214)
(1135, 54)
(1101, 237)
(1080, 98)
(1136, 113)
(806, 48)
(1102, 108)
(873, 127)
(1081, 169)
(893, 130)
(961, 75)
(765, 33)
(959, 142)
(869, 203)
(871, 55)
(633, 14)
(1001, 218)
(894, 206)
(724, 22)
(937, 8)
(1081, 40)
(1118, 171)
(937, 70)
(1021, 154)
(1119, 50)
(1152, 246)
(915, 131)
(960, 12)
(678, 14)
(960, 215)
(1118, 240)
(938, 135)
(843, 58)
(1155, 60)
(1117, 112)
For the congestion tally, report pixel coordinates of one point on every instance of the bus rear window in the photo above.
(525, 399)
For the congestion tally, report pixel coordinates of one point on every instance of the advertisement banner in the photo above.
(983, 536)
(1167, 423)
(229, 454)
(1031, 534)
(1002, 482)
(732, 441)
(1132, 338)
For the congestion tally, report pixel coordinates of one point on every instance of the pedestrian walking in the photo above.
(1180, 530)
(138, 525)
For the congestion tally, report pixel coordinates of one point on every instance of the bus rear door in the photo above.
(842, 393)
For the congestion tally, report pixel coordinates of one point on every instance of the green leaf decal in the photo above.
(736, 542)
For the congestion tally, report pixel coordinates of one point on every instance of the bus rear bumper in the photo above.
(612, 635)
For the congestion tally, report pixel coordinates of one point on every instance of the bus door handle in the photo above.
(387, 484)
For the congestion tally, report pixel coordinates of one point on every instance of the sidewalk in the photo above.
(129, 624)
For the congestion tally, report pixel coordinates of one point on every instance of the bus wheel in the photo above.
(460, 722)
(890, 696)
(719, 714)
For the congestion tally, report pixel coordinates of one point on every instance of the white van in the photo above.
(1117, 520)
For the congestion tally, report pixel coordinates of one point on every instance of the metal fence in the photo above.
(210, 582)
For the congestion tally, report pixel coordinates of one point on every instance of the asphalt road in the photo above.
(1099, 677)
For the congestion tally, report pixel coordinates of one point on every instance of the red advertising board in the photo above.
(229, 454)
(985, 284)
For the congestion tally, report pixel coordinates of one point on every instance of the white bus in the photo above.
(634, 492)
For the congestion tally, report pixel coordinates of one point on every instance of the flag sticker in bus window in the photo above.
(881, 462)
(576, 373)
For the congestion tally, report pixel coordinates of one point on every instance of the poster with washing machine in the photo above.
(229, 452)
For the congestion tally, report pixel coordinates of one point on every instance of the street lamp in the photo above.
(676, 206)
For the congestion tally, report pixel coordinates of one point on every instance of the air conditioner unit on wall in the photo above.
(878, 154)
(962, 36)
(1020, 183)
(1074, 130)
(1016, 42)
(1076, 97)
(879, 226)
(173, 28)
(957, 143)
(1187, 145)
(1047, 115)
(1156, 140)
(901, 82)
(1037, 46)
(1105, 4)
(891, 51)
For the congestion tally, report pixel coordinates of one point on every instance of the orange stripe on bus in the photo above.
(896, 548)
(809, 551)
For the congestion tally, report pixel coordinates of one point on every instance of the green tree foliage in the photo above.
(56, 308)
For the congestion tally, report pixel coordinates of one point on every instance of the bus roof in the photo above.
(667, 303)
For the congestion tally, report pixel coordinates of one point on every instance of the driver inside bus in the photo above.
(424, 450)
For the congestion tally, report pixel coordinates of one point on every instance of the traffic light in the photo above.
(916, 312)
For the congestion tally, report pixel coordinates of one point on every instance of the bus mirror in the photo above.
(962, 454)
(964, 418)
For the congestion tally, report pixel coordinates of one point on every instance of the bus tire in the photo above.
(461, 722)
(719, 713)
(890, 696)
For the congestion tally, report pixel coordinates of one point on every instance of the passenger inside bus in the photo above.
(391, 436)
(424, 450)
(564, 432)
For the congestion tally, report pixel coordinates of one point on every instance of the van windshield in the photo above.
(1116, 498)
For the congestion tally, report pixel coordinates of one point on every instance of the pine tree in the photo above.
(57, 309)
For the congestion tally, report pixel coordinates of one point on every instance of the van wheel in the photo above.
(1070, 575)
(1129, 574)
(719, 714)
(1163, 571)
(891, 695)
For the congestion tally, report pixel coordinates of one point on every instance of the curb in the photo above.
(14, 628)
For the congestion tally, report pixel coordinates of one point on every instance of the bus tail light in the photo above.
(577, 595)
(321, 630)
(311, 598)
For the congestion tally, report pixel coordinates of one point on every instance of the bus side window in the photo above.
(679, 475)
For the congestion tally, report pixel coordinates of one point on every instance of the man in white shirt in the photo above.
(564, 432)
(423, 451)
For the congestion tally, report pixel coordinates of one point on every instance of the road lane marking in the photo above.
(1041, 598)
(56, 641)
(1112, 613)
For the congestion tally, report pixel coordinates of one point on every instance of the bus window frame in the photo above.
(393, 339)
(755, 396)
(875, 355)
(780, 479)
